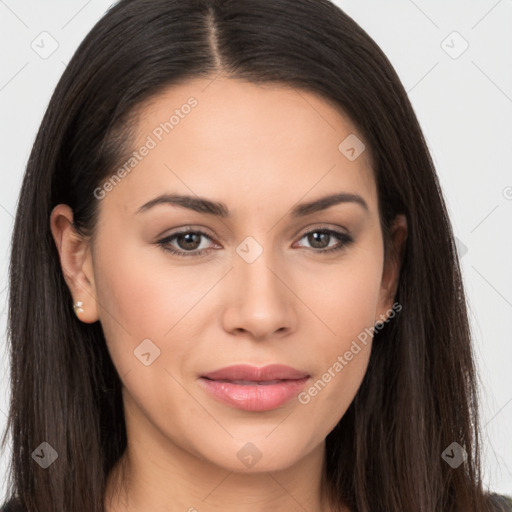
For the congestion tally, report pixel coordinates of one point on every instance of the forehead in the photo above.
(237, 141)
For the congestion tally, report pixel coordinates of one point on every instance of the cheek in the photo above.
(142, 296)
(344, 296)
(346, 304)
(134, 303)
(139, 310)
(139, 292)
(342, 365)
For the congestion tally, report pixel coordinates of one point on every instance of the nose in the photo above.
(260, 302)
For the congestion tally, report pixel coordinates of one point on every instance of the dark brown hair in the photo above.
(419, 394)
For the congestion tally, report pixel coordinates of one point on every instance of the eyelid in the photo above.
(344, 239)
(195, 228)
(322, 227)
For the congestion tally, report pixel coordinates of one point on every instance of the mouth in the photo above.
(253, 374)
(251, 382)
(254, 389)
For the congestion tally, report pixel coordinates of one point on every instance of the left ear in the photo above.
(392, 265)
(76, 262)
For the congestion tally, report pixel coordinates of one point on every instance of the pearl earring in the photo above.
(78, 307)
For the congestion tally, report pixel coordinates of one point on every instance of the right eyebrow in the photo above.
(219, 209)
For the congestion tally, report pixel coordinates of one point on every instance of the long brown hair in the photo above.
(419, 394)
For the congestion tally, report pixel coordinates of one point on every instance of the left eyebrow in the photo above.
(203, 205)
(326, 202)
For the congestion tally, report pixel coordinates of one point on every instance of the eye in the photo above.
(318, 238)
(189, 241)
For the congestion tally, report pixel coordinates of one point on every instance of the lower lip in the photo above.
(257, 397)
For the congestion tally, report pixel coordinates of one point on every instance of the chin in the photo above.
(257, 456)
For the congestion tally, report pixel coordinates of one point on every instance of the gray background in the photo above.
(463, 99)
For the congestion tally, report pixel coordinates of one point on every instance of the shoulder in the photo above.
(499, 502)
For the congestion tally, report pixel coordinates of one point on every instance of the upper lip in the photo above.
(253, 373)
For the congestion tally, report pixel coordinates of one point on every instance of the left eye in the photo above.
(189, 241)
(324, 234)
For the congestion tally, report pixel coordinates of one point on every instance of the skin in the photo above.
(260, 150)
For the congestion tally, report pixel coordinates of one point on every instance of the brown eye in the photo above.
(189, 241)
(320, 238)
(186, 243)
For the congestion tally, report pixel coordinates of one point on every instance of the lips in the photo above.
(254, 389)
(251, 374)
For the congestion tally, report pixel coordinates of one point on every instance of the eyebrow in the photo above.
(203, 205)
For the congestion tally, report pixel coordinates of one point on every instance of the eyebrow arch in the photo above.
(203, 205)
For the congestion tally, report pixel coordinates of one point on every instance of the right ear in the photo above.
(76, 262)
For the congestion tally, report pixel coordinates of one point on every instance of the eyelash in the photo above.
(345, 240)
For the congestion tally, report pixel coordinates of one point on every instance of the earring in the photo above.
(78, 307)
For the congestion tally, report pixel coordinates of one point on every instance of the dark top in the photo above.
(11, 506)
(500, 503)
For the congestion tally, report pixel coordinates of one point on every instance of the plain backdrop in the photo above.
(455, 61)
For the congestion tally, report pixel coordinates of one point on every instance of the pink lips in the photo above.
(254, 389)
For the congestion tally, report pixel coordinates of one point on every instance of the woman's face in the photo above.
(256, 289)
